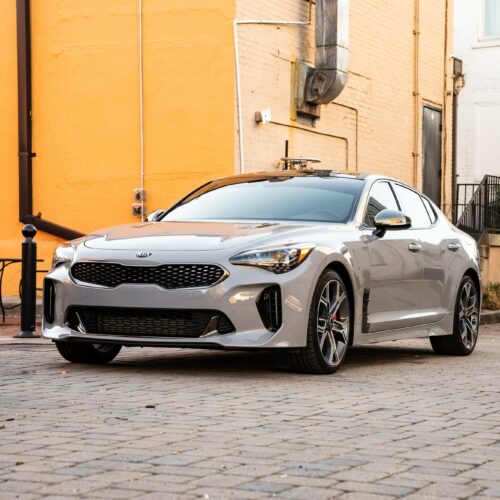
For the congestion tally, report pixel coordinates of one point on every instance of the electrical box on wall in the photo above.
(139, 194)
(263, 116)
(137, 209)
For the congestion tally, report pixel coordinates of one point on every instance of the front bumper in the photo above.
(236, 297)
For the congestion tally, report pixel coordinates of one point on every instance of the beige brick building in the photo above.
(400, 61)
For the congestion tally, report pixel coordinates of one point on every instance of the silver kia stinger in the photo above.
(310, 262)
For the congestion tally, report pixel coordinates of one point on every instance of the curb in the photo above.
(16, 312)
(490, 317)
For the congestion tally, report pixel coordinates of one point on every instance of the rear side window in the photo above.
(381, 197)
(430, 210)
(412, 206)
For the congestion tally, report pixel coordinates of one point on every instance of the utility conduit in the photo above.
(317, 132)
(328, 78)
(237, 23)
(416, 92)
(356, 112)
(141, 111)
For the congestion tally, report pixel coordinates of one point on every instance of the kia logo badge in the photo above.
(141, 255)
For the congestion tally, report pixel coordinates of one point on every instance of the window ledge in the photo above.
(486, 43)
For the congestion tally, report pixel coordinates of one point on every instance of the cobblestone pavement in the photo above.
(396, 421)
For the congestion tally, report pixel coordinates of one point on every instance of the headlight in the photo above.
(279, 259)
(63, 254)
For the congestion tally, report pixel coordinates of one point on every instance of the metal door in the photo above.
(431, 158)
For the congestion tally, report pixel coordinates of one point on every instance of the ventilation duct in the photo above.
(329, 77)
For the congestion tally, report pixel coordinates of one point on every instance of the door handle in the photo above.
(414, 247)
(453, 246)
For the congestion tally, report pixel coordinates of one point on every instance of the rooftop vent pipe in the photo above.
(329, 77)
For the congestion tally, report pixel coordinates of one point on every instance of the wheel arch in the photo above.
(342, 270)
(474, 276)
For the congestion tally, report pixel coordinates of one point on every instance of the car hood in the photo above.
(187, 236)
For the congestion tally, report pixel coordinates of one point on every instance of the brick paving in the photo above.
(397, 421)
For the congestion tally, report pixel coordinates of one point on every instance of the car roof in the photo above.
(303, 173)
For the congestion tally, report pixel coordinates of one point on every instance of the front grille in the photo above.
(146, 322)
(169, 276)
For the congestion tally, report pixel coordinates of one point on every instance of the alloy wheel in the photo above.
(333, 322)
(468, 315)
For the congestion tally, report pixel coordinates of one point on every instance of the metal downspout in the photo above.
(416, 93)
(25, 129)
(444, 191)
(141, 108)
(457, 82)
(24, 106)
(454, 160)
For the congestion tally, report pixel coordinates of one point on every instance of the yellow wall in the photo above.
(9, 227)
(86, 109)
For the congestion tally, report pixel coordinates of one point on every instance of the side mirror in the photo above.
(156, 215)
(390, 220)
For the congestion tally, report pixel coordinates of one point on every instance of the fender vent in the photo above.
(49, 298)
(269, 307)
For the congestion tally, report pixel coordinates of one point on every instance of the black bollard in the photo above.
(28, 289)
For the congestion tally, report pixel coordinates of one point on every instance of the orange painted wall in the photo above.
(9, 227)
(86, 109)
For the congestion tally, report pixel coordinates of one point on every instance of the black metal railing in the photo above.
(477, 207)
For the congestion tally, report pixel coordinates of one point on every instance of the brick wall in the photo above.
(379, 133)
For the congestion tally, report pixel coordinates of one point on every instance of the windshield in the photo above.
(320, 199)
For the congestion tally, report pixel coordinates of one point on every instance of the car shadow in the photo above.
(202, 362)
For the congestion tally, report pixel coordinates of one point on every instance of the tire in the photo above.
(465, 323)
(83, 352)
(330, 324)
